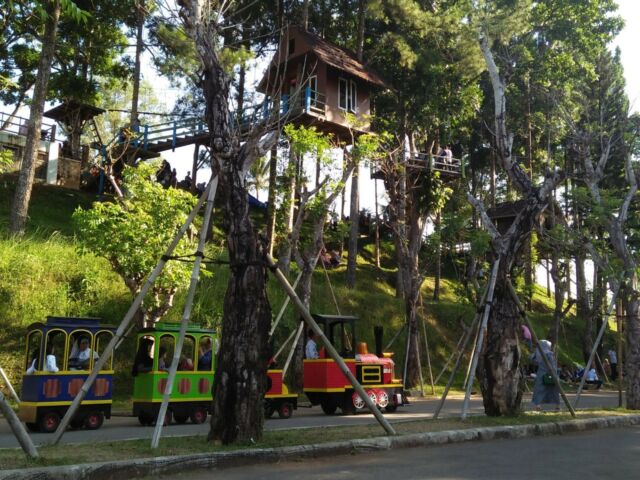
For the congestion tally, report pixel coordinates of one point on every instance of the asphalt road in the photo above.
(127, 428)
(600, 454)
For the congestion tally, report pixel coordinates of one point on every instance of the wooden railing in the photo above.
(19, 126)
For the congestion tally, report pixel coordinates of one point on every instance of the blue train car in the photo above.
(59, 356)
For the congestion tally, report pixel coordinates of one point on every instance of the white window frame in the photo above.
(347, 95)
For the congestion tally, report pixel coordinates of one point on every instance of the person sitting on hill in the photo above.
(592, 378)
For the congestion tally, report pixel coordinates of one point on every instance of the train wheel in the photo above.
(358, 402)
(373, 396)
(32, 427)
(383, 399)
(144, 419)
(391, 408)
(328, 407)
(198, 415)
(49, 422)
(180, 418)
(76, 423)
(286, 410)
(269, 409)
(94, 420)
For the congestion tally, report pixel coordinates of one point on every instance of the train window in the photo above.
(34, 343)
(342, 336)
(205, 353)
(102, 340)
(187, 355)
(82, 353)
(165, 352)
(143, 362)
(54, 350)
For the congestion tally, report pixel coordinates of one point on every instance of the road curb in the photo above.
(220, 460)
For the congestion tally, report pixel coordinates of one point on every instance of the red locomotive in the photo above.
(327, 386)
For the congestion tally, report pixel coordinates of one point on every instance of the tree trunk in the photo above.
(240, 380)
(284, 251)
(140, 14)
(632, 359)
(438, 264)
(498, 365)
(194, 168)
(354, 230)
(582, 306)
(22, 196)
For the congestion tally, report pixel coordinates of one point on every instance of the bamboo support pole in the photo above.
(482, 332)
(394, 338)
(405, 367)
(605, 323)
(329, 348)
(186, 315)
(426, 346)
(18, 429)
(284, 344)
(133, 309)
(284, 307)
(473, 351)
(299, 331)
(465, 342)
(552, 370)
(6, 381)
(453, 354)
(417, 347)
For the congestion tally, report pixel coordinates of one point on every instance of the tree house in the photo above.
(504, 214)
(319, 83)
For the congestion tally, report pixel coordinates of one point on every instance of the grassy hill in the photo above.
(47, 273)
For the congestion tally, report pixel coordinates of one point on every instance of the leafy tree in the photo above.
(134, 231)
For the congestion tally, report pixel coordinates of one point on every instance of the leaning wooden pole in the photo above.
(298, 331)
(456, 366)
(552, 370)
(7, 382)
(464, 341)
(393, 339)
(483, 330)
(605, 323)
(284, 306)
(453, 354)
(186, 315)
(122, 329)
(18, 429)
(333, 353)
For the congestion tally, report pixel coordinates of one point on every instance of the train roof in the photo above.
(175, 327)
(71, 323)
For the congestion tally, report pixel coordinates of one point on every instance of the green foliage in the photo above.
(132, 234)
(6, 159)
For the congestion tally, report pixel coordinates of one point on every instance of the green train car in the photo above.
(191, 393)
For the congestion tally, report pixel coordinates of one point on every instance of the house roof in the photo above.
(331, 54)
(69, 107)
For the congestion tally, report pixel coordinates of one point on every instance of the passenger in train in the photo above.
(185, 363)
(143, 362)
(162, 360)
(81, 355)
(50, 361)
(33, 362)
(311, 349)
(204, 359)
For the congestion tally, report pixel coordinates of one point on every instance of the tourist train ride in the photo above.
(61, 352)
(59, 356)
(326, 385)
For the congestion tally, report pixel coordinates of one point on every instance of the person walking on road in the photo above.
(544, 388)
(613, 360)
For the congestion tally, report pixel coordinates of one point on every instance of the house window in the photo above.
(347, 95)
(313, 86)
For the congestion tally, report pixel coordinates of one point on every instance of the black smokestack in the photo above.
(377, 333)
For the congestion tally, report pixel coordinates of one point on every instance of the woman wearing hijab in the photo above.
(544, 388)
(144, 361)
